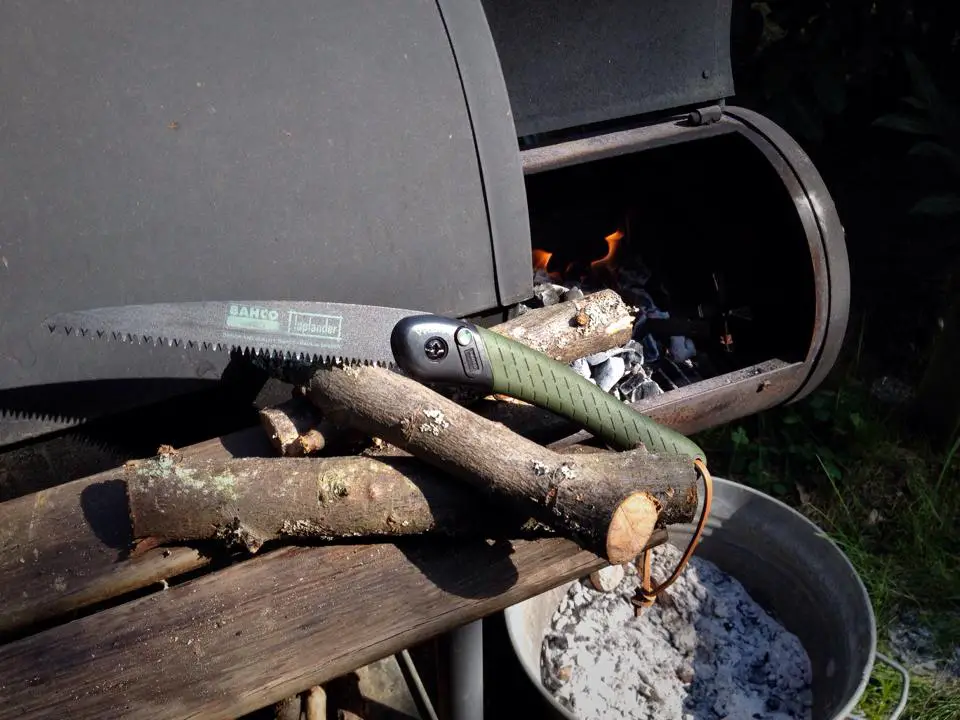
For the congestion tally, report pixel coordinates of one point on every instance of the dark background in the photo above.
(869, 89)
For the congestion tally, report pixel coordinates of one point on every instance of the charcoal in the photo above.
(651, 348)
(582, 367)
(630, 390)
(644, 367)
(682, 348)
(609, 373)
(638, 325)
(632, 354)
(601, 357)
(649, 307)
(649, 389)
(632, 346)
(548, 293)
(541, 277)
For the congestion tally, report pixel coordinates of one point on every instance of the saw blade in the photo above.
(302, 331)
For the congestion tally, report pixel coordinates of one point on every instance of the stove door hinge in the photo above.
(705, 116)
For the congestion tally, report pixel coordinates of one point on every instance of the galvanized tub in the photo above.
(790, 567)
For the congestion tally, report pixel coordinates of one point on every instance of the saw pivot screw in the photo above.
(435, 349)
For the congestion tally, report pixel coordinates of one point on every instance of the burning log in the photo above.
(608, 502)
(575, 328)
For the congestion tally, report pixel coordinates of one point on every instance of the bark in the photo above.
(575, 328)
(290, 421)
(607, 502)
(315, 703)
(251, 501)
(297, 428)
(566, 331)
(67, 547)
(288, 709)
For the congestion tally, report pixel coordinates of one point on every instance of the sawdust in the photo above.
(704, 650)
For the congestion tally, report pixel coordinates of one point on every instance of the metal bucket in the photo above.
(790, 567)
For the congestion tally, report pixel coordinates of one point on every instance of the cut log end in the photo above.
(631, 527)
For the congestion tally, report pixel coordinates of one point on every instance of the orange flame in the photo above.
(613, 242)
(541, 258)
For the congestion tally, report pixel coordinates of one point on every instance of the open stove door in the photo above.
(179, 151)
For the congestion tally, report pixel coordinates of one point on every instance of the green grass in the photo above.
(890, 501)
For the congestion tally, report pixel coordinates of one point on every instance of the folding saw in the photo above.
(427, 347)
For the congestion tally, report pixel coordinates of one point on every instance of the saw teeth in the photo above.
(259, 352)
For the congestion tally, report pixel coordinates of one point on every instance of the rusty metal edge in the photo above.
(717, 401)
(824, 228)
(812, 201)
(673, 131)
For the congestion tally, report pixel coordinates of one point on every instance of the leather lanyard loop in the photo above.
(646, 595)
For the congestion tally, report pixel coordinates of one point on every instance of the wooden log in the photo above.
(315, 703)
(609, 502)
(290, 427)
(66, 547)
(288, 708)
(248, 636)
(297, 428)
(565, 331)
(574, 328)
(252, 501)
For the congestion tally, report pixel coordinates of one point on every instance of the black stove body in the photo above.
(369, 152)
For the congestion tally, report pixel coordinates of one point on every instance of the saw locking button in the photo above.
(463, 337)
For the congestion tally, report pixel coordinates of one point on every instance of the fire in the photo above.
(613, 242)
(541, 258)
(604, 267)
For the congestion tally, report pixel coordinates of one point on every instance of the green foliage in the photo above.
(869, 89)
(936, 118)
(883, 496)
(813, 64)
(808, 439)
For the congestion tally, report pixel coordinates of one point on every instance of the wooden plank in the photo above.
(247, 636)
(65, 547)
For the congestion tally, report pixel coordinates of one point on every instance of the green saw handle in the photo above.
(432, 348)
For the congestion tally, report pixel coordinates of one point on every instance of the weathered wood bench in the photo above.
(90, 633)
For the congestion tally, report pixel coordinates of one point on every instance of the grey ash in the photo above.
(704, 650)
